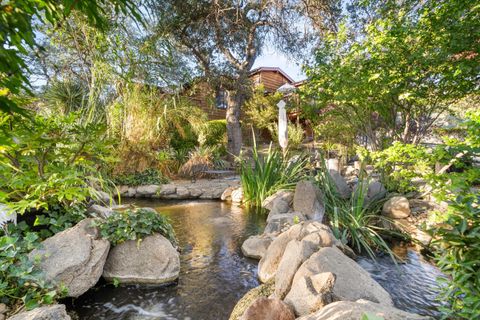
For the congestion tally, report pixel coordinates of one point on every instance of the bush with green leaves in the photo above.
(149, 176)
(269, 173)
(134, 225)
(21, 283)
(400, 163)
(295, 134)
(355, 221)
(456, 231)
(213, 133)
(50, 160)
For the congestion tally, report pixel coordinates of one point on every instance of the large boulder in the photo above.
(308, 200)
(296, 252)
(352, 281)
(74, 257)
(53, 312)
(396, 208)
(256, 246)
(268, 265)
(341, 185)
(268, 309)
(282, 196)
(310, 293)
(264, 290)
(153, 261)
(349, 310)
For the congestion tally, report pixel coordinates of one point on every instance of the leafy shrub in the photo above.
(135, 225)
(149, 176)
(213, 133)
(456, 232)
(21, 283)
(50, 160)
(457, 242)
(355, 221)
(57, 218)
(268, 174)
(401, 163)
(261, 109)
(295, 134)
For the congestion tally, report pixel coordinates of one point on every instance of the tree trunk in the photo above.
(235, 100)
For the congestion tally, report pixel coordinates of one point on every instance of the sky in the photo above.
(273, 58)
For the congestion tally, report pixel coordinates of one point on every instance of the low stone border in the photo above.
(181, 189)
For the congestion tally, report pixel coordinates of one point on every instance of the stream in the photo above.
(214, 274)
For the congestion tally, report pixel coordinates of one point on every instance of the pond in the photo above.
(214, 274)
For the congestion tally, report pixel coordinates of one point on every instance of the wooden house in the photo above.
(215, 103)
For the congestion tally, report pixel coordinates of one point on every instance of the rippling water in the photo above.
(214, 274)
(412, 284)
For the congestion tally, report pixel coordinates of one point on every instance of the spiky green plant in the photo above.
(356, 221)
(269, 173)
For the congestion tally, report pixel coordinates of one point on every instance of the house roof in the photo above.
(274, 69)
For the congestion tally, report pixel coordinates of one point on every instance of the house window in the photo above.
(221, 99)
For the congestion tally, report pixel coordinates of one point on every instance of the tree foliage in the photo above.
(395, 77)
(19, 20)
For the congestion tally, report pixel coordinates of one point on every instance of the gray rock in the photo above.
(308, 201)
(296, 252)
(132, 192)
(396, 208)
(268, 265)
(280, 206)
(341, 185)
(348, 310)
(284, 195)
(268, 309)
(74, 257)
(147, 191)
(256, 246)
(99, 211)
(167, 189)
(53, 312)
(280, 222)
(183, 193)
(195, 193)
(310, 293)
(376, 191)
(352, 281)
(153, 261)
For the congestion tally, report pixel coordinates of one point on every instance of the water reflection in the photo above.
(213, 275)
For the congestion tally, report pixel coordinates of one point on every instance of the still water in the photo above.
(214, 274)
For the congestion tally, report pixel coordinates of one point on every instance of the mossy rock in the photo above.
(264, 290)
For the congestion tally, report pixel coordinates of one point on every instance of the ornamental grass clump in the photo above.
(269, 173)
(356, 221)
